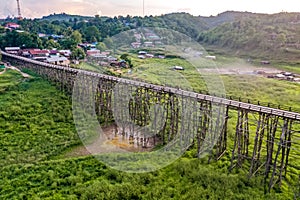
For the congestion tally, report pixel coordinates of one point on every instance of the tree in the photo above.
(68, 43)
(77, 54)
(92, 34)
(101, 46)
(109, 42)
(2, 29)
(76, 37)
(281, 38)
(52, 44)
(23, 39)
(128, 60)
(68, 31)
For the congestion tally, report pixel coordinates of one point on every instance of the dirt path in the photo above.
(16, 69)
(23, 74)
(3, 71)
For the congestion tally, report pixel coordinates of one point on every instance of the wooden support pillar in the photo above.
(278, 165)
(222, 141)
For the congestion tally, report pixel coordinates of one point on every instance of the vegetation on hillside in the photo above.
(38, 129)
(248, 34)
(258, 36)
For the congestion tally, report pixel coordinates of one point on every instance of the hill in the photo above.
(250, 35)
(225, 17)
(65, 17)
(256, 35)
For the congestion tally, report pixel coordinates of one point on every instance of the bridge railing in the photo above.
(217, 100)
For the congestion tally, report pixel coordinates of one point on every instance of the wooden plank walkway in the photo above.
(213, 99)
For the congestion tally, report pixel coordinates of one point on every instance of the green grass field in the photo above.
(37, 129)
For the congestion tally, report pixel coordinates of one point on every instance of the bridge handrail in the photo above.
(198, 96)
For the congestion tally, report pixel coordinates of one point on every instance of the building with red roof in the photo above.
(38, 54)
(12, 25)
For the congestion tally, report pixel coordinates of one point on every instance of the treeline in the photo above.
(238, 32)
(95, 29)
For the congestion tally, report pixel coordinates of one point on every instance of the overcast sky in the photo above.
(39, 8)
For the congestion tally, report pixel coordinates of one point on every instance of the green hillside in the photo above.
(251, 35)
(258, 36)
(64, 17)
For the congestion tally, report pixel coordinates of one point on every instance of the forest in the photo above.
(240, 33)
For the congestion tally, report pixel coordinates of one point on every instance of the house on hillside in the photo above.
(177, 68)
(265, 62)
(94, 52)
(143, 52)
(211, 57)
(65, 53)
(58, 60)
(106, 53)
(25, 53)
(12, 26)
(88, 46)
(148, 44)
(54, 52)
(136, 45)
(12, 50)
(37, 54)
(148, 55)
(43, 35)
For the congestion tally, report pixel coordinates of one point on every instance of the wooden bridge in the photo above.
(264, 141)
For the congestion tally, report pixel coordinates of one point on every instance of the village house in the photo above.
(37, 54)
(12, 26)
(12, 50)
(111, 59)
(58, 60)
(25, 52)
(148, 55)
(42, 35)
(65, 53)
(141, 56)
(87, 46)
(138, 37)
(211, 57)
(265, 62)
(106, 53)
(177, 68)
(93, 52)
(158, 43)
(136, 45)
(142, 52)
(54, 52)
(148, 44)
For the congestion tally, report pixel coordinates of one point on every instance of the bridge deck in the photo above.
(213, 99)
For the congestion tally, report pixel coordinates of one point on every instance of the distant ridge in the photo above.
(64, 17)
(251, 35)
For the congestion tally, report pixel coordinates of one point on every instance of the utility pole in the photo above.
(19, 9)
(143, 8)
